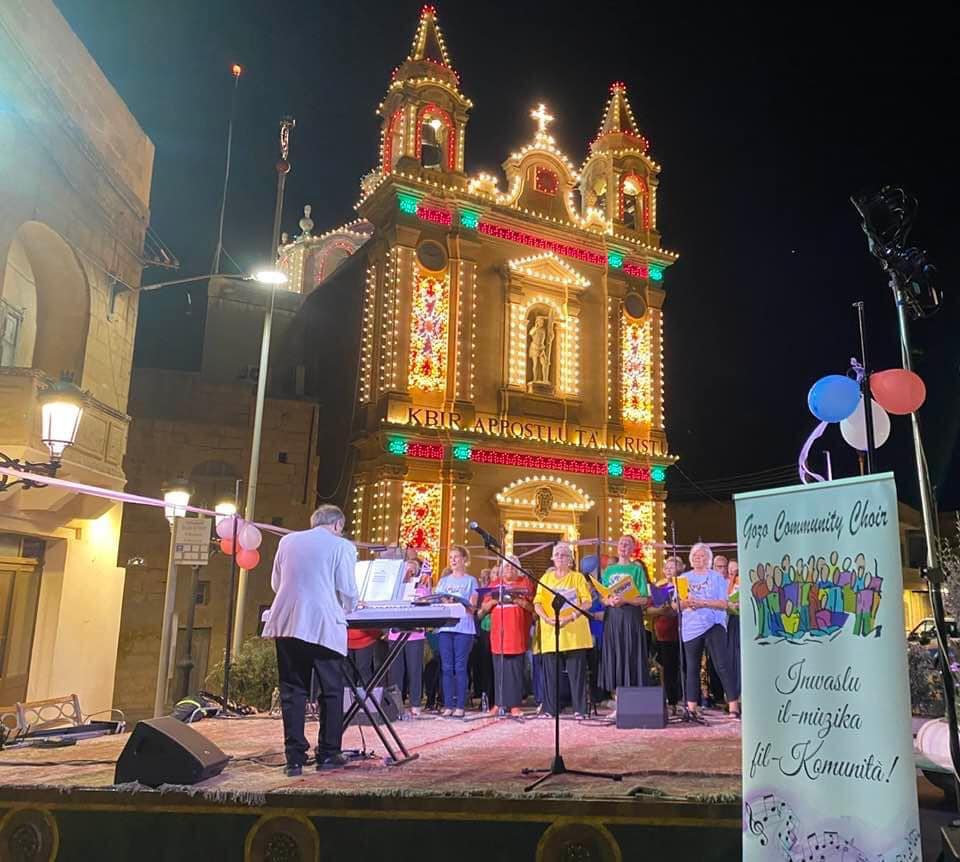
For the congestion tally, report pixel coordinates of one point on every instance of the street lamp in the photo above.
(61, 407)
(283, 168)
(176, 498)
(226, 509)
(270, 276)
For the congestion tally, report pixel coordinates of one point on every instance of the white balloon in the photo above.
(225, 528)
(249, 537)
(854, 427)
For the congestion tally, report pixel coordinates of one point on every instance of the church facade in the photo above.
(510, 368)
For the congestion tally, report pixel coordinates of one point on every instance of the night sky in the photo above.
(764, 124)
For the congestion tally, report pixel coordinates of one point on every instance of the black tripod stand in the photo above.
(557, 766)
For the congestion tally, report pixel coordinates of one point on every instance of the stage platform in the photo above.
(461, 799)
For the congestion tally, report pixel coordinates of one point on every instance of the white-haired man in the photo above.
(313, 578)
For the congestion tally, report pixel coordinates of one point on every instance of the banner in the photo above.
(828, 772)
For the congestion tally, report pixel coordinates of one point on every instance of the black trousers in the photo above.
(715, 640)
(297, 662)
(508, 680)
(365, 660)
(575, 661)
(669, 654)
(481, 660)
(408, 665)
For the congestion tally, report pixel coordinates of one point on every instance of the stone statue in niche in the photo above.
(541, 349)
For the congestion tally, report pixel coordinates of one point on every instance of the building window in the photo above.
(11, 321)
(633, 213)
(546, 181)
(636, 369)
(282, 457)
(429, 330)
(430, 150)
(916, 549)
(203, 593)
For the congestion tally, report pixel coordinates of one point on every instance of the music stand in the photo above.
(557, 765)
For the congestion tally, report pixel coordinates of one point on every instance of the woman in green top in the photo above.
(624, 657)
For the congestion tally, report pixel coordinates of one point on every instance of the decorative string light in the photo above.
(429, 326)
(420, 518)
(638, 520)
(636, 370)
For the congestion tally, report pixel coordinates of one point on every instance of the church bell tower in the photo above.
(424, 113)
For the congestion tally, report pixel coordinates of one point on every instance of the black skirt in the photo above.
(624, 657)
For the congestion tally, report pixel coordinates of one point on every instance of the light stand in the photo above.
(887, 219)
(557, 766)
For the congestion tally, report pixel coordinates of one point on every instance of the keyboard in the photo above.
(405, 615)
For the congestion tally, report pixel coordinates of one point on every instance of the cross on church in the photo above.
(542, 118)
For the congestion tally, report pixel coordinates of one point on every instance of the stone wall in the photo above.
(183, 424)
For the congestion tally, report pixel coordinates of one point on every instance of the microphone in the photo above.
(483, 534)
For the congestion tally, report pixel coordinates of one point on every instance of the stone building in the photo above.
(74, 210)
(199, 426)
(490, 353)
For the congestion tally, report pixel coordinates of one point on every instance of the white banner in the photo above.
(828, 772)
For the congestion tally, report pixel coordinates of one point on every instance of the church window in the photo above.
(10, 322)
(636, 363)
(430, 150)
(632, 203)
(421, 505)
(546, 181)
(638, 520)
(429, 330)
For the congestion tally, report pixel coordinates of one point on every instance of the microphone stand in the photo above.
(686, 715)
(557, 766)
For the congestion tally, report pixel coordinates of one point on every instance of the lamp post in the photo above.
(283, 168)
(223, 510)
(61, 408)
(176, 496)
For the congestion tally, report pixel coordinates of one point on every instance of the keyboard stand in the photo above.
(361, 701)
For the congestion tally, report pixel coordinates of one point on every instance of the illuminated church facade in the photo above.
(510, 334)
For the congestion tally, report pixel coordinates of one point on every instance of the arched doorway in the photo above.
(45, 303)
(537, 511)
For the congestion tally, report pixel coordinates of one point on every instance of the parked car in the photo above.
(924, 632)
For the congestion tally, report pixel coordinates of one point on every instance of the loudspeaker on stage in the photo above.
(167, 751)
(390, 699)
(641, 707)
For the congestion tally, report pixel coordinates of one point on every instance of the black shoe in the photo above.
(292, 770)
(332, 761)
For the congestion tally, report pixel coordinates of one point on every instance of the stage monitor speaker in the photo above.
(641, 706)
(167, 751)
(389, 698)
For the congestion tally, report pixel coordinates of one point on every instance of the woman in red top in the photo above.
(509, 633)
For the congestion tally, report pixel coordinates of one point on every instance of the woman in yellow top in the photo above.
(575, 638)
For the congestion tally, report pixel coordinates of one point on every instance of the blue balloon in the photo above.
(833, 398)
(588, 565)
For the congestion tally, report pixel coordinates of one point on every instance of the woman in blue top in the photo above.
(456, 642)
(703, 623)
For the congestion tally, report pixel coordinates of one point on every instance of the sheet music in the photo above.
(361, 571)
(384, 582)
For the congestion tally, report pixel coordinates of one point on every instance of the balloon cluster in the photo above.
(837, 398)
(248, 538)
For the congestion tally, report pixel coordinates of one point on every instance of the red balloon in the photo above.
(248, 559)
(226, 547)
(898, 391)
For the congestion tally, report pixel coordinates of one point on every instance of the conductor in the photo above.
(313, 579)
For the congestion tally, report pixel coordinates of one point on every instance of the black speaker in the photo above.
(389, 698)
(167, 751)
(641, 706)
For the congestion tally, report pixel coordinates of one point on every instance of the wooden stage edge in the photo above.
(462, 799)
